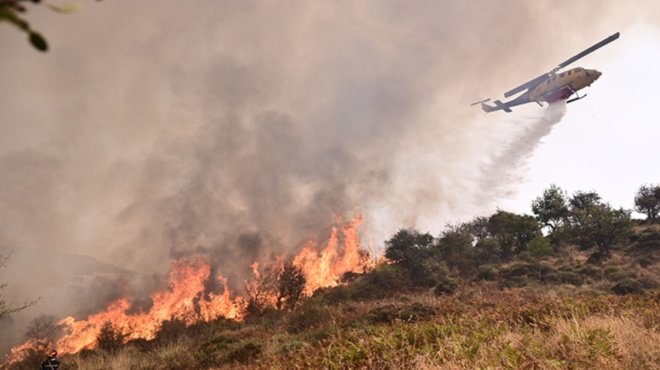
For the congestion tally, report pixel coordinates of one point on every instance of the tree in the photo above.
(41, 334)
(411, 250)
(261, 289)
(580, 206)
(408, 247)
(584, 200)
(513, 232)
(551, 208)
(647, 201)
(604, 228)
(291, 284)
(6, 309)
(43, 329)
(487, 250)
(12, 11)
(454, 243)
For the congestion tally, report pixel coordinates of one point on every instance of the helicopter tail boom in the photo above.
(498, 105)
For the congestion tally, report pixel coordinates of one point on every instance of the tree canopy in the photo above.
(551, 209)
(647, 201)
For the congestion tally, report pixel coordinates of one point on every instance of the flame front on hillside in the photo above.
(186, 297)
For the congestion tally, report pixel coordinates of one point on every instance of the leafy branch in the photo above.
(13, 11)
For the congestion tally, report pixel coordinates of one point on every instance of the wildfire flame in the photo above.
(186, 299)
(326, 268)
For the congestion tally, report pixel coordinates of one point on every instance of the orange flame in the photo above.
(185, 298)
(186, 286)
(326, 268)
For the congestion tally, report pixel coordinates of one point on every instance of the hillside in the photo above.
(562, 311)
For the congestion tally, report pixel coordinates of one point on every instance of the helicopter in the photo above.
(552, 86)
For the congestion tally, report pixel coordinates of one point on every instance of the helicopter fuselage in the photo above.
(564, 84)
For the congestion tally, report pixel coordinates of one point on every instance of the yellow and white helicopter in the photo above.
(552, 86)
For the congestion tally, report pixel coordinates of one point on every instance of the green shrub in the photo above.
(335, 295)
(620, 275)
(646, 261)
(628, 286)
(446, 287)
(650, 244)
(318, 336)
(591, 271)
(383, 314)
(570, 277)
(537, 271)
(384, 281)
(307, 317)
(648, 240)
(241, 352)
(416, 312)
(609, 270)
(430, 273)
(487, 272)
(540, 247)
(290, 348)
(517, 269)
(225, 349)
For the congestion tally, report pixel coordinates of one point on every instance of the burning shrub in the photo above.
(291, 283)
(110, 338)
(43, 329)
(170, 330)
(335, 295)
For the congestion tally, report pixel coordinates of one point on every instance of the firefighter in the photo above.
(51, 363)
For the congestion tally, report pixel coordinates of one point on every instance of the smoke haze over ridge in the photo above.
(242, 127)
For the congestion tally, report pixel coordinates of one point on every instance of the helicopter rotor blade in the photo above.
(526, 85)
(541, 78)
(589, 50)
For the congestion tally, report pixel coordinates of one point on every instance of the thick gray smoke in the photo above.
(240, 127)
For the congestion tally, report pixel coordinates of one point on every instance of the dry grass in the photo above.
(478, 328)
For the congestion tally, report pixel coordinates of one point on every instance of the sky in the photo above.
(606, 142)
(244, 129)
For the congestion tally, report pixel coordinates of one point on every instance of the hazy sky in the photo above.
(241, 127)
